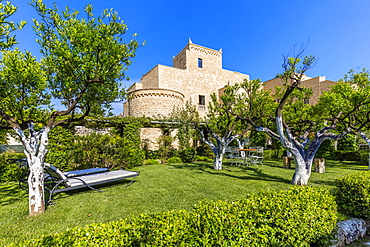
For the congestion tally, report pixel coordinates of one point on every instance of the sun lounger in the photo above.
(58, 181)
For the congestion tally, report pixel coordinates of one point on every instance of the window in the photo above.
(202, 100)
(200, 63)
(306, 101)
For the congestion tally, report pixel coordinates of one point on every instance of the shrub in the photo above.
(353, 194)
(174, 160)
(346, 155)
(204, 150)
(187, 155)
(10, 171)
(276, 153)
(326, 150)
(151, 162)
(348, 143)
(61, 146)
(202, 158)
(297, 217)
(107, 151)
(364, 157)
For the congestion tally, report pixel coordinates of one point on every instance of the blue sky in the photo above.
(253, 35)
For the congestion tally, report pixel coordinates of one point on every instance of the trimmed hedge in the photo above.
(353, 194)
(297, 217)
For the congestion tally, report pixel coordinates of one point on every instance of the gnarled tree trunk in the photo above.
(35, 148)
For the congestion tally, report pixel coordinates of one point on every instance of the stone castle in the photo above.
(196, 73)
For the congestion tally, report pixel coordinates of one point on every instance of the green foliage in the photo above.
(174, 160)
(202, 158)
(346, 155)
(151, 162)
(86, 58)
(364, 157)
(96, 150)
(204, 150)
(121, 149)
(187, 155)
(326, 150)
(185, 119)
(61, 148)
(353, 194)
(8, 26)
(296, 217)
(159, 188)
(348, 143)
(257, 138)
(273, 154)
(25, 97)
(10, 171)
(165, 146)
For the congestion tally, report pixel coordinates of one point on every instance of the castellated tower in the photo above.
(196, 73)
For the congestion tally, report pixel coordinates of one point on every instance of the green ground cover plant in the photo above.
(159, 188)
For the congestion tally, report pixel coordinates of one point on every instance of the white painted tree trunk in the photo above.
(36, 187)
(303, 168)
(35, 150)
(217, 164)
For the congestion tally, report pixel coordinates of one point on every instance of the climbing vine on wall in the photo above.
(119, 149)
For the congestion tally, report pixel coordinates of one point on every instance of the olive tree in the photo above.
(348, 102)
(305, 133)
(83, 60)
(227, 114)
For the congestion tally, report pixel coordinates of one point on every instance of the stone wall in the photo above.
(151, 136)
(318, 85)
(153, 102)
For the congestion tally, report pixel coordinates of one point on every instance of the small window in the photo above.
(200, 63)
(202, 100)
(306, 101)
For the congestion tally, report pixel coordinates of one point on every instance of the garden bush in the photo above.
(61, 146)
(353, 194)
(10, 171)
(151, 162)
(296, 217)
(174, 160)
(187, 155)
(202, 158)
(364, 157)
(96, 150)
(276, 153)
(326, 150)
(346, 155)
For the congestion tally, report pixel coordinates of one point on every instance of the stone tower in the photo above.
(196, 73)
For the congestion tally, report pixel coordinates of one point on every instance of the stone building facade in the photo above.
(318, 85)
(196, 73)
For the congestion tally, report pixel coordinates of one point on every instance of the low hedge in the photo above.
(353, 194)
(297, 217)
(346, 155)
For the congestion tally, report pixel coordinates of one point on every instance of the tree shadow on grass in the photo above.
(10, 193)
(242, 172)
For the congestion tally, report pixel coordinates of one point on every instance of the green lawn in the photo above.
(158, 188)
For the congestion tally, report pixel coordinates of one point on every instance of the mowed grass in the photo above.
(158, 188)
